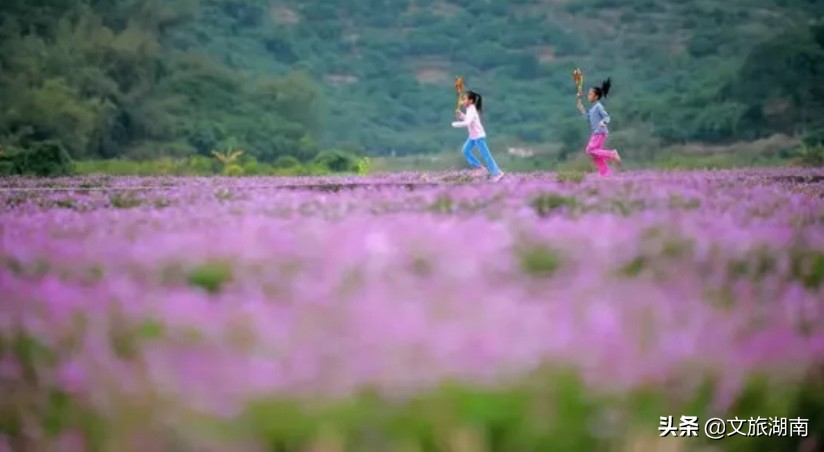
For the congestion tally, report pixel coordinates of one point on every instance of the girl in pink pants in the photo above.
(598, 119)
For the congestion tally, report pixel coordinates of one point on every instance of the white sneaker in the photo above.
(497, 177)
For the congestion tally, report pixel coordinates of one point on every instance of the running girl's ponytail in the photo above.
(476, 99)
(603, 90)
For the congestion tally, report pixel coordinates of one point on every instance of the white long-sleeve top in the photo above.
(472, 121)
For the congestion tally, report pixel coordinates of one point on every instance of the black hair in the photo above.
(476, 99)
(603, 90)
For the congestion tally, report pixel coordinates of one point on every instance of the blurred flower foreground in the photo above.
(545, 312)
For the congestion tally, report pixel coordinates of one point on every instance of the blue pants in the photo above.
(480, 143)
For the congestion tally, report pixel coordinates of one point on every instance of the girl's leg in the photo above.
(487, 156)
(592, 144)
(599, 156)
(600, 165)
(596, 147)
(603, 168)
(467, 152)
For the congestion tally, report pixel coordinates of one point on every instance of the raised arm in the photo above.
(582, 109)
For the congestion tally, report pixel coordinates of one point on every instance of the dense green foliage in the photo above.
(176, 78)
(102, 79)
(683, 71)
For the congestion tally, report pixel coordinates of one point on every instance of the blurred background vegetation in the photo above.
(305, 87)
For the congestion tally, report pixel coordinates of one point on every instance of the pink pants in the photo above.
(600, 156)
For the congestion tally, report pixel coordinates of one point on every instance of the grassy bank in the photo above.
(324, 164)
(778, 150)
(775, 151)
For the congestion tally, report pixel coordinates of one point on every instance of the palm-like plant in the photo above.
(228, 160)
(227, 157)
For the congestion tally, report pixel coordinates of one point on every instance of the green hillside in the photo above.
(388, 66)
(144, 78)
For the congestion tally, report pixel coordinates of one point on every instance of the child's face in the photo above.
(591, 95)
(465, 101)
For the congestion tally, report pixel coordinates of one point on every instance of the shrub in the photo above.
(233, 170)
(337, 161)
(43, 158)
(811, 155)
(286, 162)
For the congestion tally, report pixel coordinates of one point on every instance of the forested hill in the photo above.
(388, 66)
(141, 77)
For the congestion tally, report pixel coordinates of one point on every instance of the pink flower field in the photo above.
(406, 312)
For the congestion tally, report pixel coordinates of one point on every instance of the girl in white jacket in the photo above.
(477, 136)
